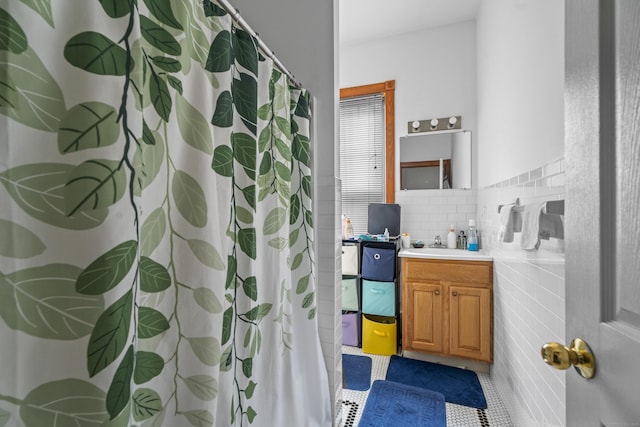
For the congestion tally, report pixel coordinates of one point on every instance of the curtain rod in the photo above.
(235, 15)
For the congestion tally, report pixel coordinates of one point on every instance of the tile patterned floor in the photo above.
(495, 415)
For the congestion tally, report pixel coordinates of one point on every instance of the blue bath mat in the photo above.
(458, 386)
(357, 372)
(391, 404)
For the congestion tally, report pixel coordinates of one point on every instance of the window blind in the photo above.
(362, 157)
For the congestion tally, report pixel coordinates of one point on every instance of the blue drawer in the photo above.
(379, 298)
(378, 263)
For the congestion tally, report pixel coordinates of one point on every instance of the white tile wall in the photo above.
(328, 274)
(529, 301)
(425, 213)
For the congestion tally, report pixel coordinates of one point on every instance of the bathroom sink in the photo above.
(445, 253)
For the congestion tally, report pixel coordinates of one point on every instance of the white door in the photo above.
(602, 108)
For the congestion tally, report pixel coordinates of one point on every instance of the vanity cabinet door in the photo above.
(470, 322)
(447, 307)
(423, 316)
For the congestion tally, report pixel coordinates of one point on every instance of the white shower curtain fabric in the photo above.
(156, 231)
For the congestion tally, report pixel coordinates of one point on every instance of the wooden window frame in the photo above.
(387, 89)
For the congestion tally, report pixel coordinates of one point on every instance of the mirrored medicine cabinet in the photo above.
(435, 160)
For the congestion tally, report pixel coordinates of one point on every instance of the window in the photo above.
(362, 157)
(357, 145)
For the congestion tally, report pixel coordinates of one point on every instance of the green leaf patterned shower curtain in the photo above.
(156, 232)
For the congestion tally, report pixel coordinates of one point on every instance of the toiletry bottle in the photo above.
(386, 234)
(462, 240)
(472, 238)
(451, 238)
(348, 230)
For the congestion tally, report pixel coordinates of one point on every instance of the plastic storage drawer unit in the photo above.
(351, 328)
(378, 263)
(379, 335)
(379, 298)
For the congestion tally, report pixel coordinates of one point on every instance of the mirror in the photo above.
(438, 160)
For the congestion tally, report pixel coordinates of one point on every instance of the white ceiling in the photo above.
(362, 20)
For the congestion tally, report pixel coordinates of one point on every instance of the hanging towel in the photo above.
(551, 226)
(531, 226)
(507, 214)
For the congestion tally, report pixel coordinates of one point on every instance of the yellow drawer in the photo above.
(379, 335)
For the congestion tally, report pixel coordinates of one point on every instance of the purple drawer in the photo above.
(351, 328)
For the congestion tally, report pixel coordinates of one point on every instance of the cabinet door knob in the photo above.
(437, 292)
(454, 293)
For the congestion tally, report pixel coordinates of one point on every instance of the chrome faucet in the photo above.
(437, 242)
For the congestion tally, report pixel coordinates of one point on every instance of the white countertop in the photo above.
(443, 253)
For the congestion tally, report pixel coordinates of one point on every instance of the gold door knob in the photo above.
(579, 355)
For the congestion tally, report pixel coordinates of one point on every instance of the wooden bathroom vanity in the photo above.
(447, 303)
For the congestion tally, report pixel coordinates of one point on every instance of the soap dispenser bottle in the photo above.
(348, 230)
(472, 238)
(451, 238)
